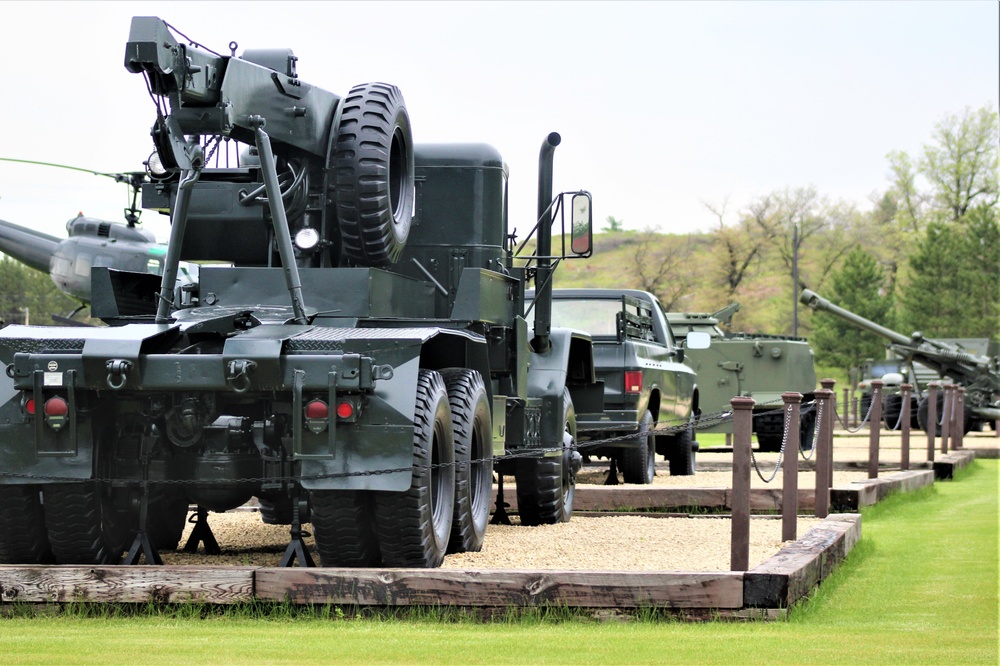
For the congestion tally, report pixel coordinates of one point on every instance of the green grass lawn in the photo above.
(919, 588)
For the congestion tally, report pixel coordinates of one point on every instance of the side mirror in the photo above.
(698, 340)
(582, 231)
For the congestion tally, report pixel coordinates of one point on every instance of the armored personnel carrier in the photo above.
(757, 366)
(356, 352)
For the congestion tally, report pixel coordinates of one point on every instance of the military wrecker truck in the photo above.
(648, 390)
(357, 356)
(754, 365)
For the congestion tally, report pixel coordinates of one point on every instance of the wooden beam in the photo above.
(858, 494)
(502, 587)
(946, 466)
(157, 584)
(797, 568)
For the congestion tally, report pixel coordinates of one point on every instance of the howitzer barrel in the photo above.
(817, 302)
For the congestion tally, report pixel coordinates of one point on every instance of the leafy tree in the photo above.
(741, 244)
(960, 167)
(954, 286)
(934, 300)
(664, 267)
(25, 292)
(859, 286)
(613, 225)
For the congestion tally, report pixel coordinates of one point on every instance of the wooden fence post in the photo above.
(822, 454)
(874, 428)
(739, 558)
(946, 417)
(847, 408)
(904, 428)
(958, 426)
(828, 384)
(790, 473)
(854, 411)
(932, 390)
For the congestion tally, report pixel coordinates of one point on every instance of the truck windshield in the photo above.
(595, 316)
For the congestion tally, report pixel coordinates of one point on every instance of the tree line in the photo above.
(926, 257)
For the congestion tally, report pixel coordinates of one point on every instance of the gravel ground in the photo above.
(621, 542)
(628, 543)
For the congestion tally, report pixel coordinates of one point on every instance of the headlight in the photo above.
(307, 238)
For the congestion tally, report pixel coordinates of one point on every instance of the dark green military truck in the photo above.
(645, 381)
(356, 352)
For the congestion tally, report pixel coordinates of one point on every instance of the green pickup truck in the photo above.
(646, 383)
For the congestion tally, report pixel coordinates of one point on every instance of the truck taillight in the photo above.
(633, 381)
(317, 415)
(56, 411)
(345, 410)
(29, 406)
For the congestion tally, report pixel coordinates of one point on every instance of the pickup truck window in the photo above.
(596, 316)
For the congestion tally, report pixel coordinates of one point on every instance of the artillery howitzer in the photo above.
(753, 365)
(978, 374)
(356, 355)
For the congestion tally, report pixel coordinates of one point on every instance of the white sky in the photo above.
(661, 105)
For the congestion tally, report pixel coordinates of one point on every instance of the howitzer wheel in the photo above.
(344, 526)
(473, 430)
(23, 539)
(924, 407)
(638, 463)
(414, 526)
(545, 486)
(374, 174)
(892, 412)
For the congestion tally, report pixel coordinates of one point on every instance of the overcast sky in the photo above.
(661, 105)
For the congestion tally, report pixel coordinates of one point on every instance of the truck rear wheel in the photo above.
(682, 455)
(638, 464)
(373, 167)
(166, 517)
(23, 539)
(545, 486)
(414, 526)
(344, 526)
(473, 430)
(81, 526)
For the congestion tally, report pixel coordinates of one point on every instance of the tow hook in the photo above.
(238, 374)
(118, 372)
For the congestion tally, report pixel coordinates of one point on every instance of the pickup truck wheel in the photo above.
(545, 486)
(23, 539)
(373, 166)
(414, 526)
(473, 429)
(682, 455)
(344, 526)
(638, 463)
(81, 525)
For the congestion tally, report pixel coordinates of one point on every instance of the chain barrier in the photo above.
(815, 433)
(664, 428)
(781, 451)
(861, 425)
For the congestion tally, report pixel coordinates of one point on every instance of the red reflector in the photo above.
(56, 407)
(29, 406)
(633, 381)
(345, 410)
(317, 409)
